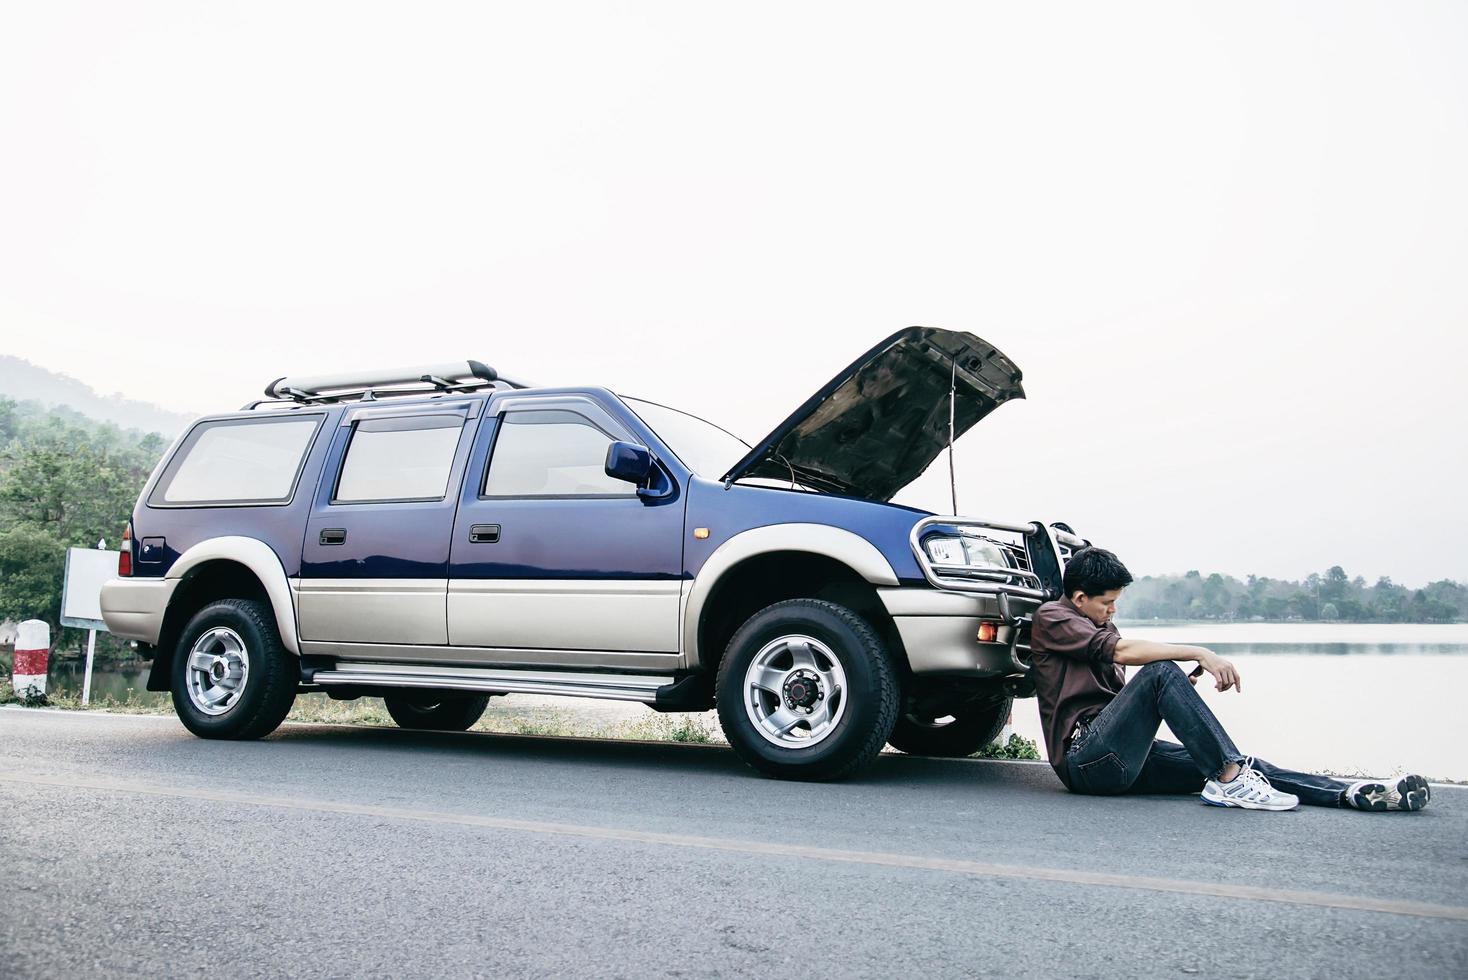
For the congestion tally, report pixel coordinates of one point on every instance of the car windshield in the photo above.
(703, 447)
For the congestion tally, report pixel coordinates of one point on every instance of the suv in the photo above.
(438, 536)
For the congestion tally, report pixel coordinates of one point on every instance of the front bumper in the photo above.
(133, 608)
(940, 631)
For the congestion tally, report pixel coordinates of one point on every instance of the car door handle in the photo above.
(484, 533)
(334, 535)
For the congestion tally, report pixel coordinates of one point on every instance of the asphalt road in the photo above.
(129, 847)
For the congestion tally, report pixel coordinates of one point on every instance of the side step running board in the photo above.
(615, 687)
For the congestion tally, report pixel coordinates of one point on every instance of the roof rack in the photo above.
(454, 377)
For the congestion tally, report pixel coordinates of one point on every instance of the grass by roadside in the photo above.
(133, 704)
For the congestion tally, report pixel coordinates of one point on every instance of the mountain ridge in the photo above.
(21, 380)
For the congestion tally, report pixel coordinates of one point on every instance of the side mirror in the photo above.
(629, 462)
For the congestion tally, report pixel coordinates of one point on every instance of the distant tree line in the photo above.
(1321, 597)
(65, 481)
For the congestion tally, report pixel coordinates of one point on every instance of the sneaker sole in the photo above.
(1410, 793)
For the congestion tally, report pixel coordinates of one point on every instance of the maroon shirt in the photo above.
(1075, 676)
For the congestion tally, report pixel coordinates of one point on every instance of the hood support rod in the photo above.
(952, 398)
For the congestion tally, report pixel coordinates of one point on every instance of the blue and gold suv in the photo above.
(439, 535)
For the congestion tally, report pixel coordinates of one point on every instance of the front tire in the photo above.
(435, 712)
(806, 690)
(232, 677)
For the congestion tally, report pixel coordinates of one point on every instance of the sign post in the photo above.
(87, 677)
(81, 598)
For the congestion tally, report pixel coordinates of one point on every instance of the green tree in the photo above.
(1215, 596)
(9, 420)
(31, 565)
(1175, 600)
(70, 488)
(1305, 606)
(64, 481)
(1333, 585)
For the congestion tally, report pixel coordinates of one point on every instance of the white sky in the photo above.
(1227, 244)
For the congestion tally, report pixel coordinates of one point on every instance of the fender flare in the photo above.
(260, 559)
(845, 546)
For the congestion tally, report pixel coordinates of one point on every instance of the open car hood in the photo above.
(877, 425)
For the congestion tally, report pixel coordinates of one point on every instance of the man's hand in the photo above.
(1225, 674)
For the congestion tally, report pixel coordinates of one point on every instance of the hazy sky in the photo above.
(1226, 243)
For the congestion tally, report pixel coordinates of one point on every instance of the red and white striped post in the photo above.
(32, 650)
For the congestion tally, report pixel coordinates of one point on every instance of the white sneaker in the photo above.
(1397, 793)
(1249, 790)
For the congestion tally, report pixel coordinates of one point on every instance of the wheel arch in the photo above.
(769, 564)
(223, 568)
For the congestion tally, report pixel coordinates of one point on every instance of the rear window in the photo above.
(237, 461)
(399, 459)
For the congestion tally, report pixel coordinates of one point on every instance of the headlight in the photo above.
(983, 552)
(946, 549)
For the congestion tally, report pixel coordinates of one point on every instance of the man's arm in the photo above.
(1137, 652)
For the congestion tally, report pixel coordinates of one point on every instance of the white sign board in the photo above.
(81, 595)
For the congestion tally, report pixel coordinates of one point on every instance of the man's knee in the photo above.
(1161, 670)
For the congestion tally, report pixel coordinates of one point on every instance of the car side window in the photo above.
(399, 459)
(237, 461)
(551, 454)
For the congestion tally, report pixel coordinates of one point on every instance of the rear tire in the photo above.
(232, 677)
(431, 711)
(806, 690)
(971, 727)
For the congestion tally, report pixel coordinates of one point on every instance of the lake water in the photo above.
(66, 678)
(1323, 697)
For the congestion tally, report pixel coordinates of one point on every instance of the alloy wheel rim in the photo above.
(795, 691)
(218, 670)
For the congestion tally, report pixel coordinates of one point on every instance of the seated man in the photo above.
(1100, 731)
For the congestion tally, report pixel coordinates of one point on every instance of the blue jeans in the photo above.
(1118, 752)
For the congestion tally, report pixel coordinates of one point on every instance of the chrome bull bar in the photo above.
(1017, 625)
(1047, 548)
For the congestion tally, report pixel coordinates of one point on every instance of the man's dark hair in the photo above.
(1094, 571)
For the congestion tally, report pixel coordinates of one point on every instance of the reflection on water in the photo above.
(1328, 649)
(1419, 637)
(119, 683)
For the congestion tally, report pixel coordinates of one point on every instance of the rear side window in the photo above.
(399, 459)
(237, 461)
(551, 454)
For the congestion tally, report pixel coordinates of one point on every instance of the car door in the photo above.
(552, 560)
(374, 566)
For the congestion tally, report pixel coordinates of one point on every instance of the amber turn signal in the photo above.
(988, 632)
(700, 533)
